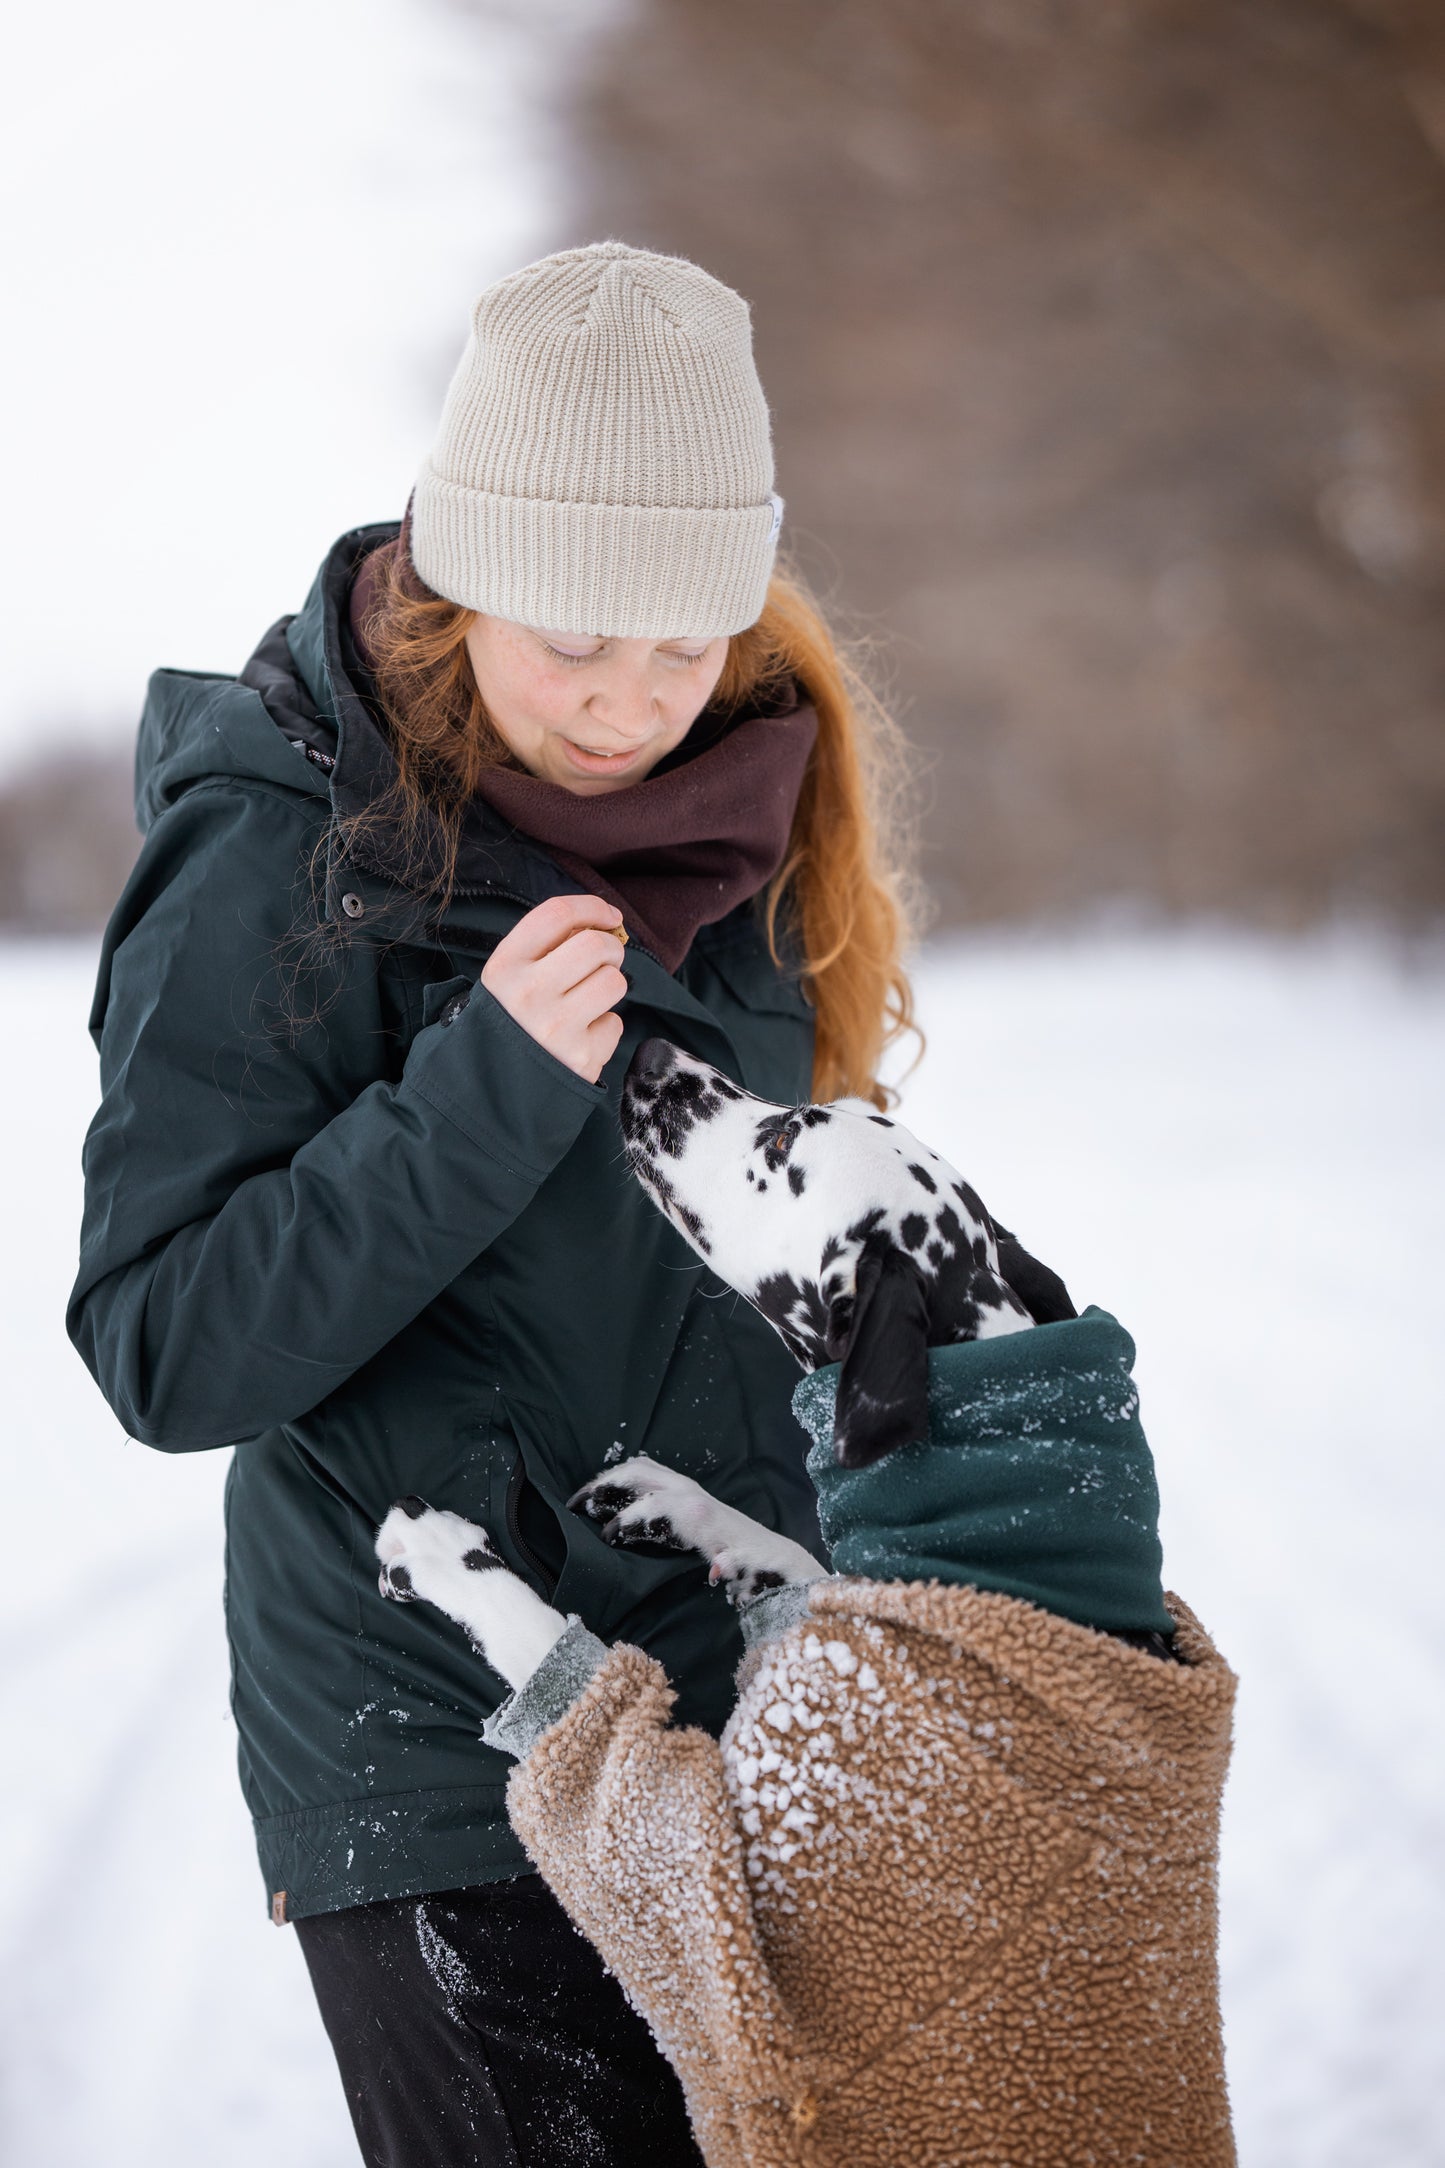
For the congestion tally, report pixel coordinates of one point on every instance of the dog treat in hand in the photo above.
(621, 933)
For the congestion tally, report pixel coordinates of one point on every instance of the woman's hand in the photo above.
(559, 974)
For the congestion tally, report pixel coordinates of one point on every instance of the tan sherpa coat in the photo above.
(943, 1894)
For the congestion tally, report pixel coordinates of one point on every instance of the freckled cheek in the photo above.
(542, 706)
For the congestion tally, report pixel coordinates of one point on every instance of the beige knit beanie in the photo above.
(604, 463)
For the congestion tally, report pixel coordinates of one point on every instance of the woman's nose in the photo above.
(630, 711)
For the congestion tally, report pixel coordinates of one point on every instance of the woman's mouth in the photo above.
(588, 761)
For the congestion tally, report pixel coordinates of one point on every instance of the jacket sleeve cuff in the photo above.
(561, 1678)
(467, 1066)
(768, 1616)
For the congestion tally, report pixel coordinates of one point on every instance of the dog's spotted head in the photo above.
(855, 1241)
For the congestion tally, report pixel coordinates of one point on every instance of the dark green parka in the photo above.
(346, 1215)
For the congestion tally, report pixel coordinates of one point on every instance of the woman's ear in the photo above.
(881, 1332)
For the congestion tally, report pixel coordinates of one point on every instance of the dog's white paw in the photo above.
(641, 1501)
(430, 1554)
(441, 1559)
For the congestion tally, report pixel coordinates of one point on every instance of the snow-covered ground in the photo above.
(1233, 1143)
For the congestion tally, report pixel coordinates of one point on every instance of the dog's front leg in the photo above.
(453, 1564)
(641, 1501)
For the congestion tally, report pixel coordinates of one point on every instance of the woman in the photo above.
(560, 764)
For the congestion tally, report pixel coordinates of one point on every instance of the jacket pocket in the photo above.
(522, 1519)
(560, 1553)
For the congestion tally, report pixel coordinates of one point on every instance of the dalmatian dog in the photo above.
(856, 1242)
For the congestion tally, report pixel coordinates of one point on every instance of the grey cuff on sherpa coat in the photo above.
(563, 1674)
(764, 1617)
(569, 1666)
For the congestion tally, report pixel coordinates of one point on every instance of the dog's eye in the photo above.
(780, 1142)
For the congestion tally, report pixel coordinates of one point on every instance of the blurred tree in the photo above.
(1105, 351)
(67, 842)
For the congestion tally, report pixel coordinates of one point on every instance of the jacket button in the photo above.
(352, 904)
(454, 1008)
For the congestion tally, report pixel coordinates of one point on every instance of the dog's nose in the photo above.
(653, 1060)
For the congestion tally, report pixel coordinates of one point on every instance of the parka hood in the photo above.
(302, 715)
(280, 720)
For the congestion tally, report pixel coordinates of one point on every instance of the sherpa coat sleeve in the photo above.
(265, 1206)
(628, 1820)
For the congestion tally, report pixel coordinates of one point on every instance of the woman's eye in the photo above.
(561, 655)
(701, 656)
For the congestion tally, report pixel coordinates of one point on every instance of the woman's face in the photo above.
(593, 715)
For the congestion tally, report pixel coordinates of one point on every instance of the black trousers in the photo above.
(478, 2029)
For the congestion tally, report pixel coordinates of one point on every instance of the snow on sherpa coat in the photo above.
(943, 1894)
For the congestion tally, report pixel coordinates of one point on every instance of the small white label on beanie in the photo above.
(777, 504)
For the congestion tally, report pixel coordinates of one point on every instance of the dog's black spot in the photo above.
(862, 1228)
(480, 1561)
(816, 1116)
(761, 1187)
(922, 1176)
(726, 1089)
(799, 1314)
(973, 1205)
(967, 1318)
(399, 1580)
(796, 1180)
(413, 1507)
(659, 1118)
(602, 1500)
(766, 1578)
(658, 1529)
(935, 1253)
(751, 1176)
(693, 1223)
(658, 1183)
(882, 1120)
(951, 1228)
(913, 1230)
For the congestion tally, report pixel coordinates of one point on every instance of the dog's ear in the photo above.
(1042, 1293)
(881, 1333)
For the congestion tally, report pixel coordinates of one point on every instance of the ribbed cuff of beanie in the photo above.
(612, 571)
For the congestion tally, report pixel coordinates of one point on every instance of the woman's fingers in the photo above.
(558, 974)
(579, 958)
(548, 924)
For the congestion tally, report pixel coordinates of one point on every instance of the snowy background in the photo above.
(244, 247)
(1233, 1143)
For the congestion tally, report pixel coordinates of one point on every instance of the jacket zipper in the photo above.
(520, 1544)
